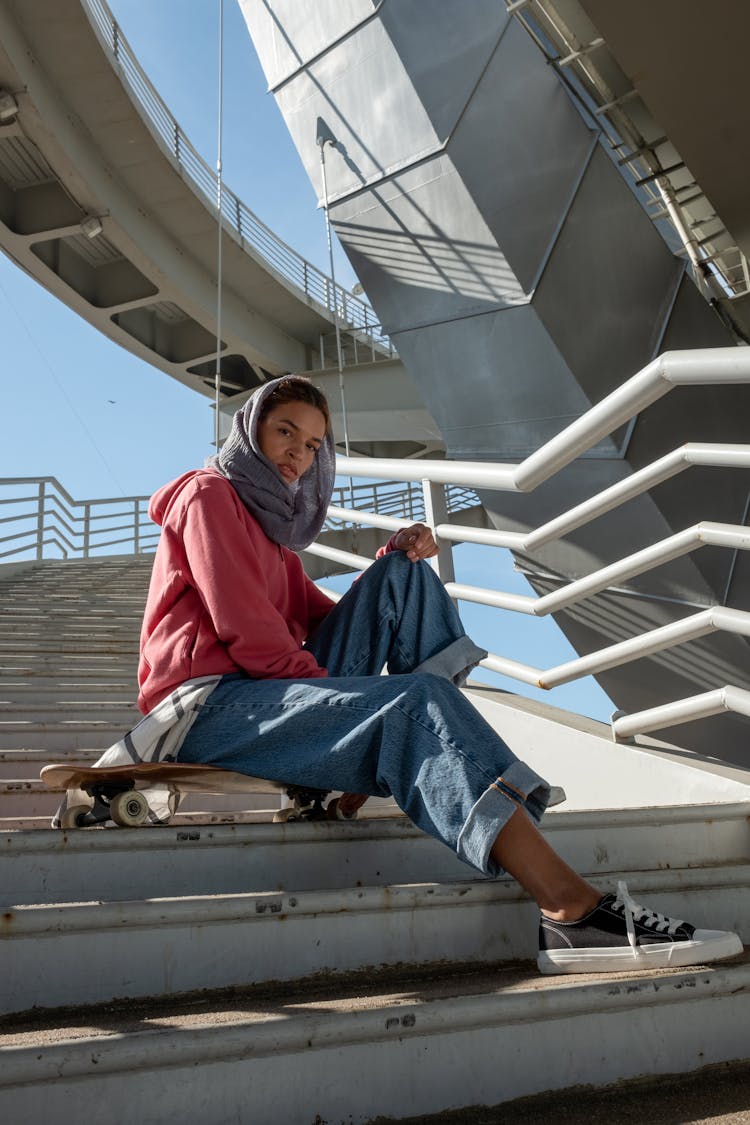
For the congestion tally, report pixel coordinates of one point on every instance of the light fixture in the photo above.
(91, 226)
(323, 134)
(8, 107)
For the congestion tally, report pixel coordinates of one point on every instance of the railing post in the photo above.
(40, 522)
(436, 512)
(136, 527)
(86, 529)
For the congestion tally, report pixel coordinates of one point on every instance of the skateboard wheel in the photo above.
(129, 809)
(334, 812)
(283, 815)
(70, 818)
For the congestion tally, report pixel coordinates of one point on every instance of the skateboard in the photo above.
(117, 792)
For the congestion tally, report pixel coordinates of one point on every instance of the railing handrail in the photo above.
(286, 262)
(80, 525)
(701, 366)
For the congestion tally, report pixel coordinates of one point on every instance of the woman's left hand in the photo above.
(417, 541)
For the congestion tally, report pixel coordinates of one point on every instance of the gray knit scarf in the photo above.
(292, 516)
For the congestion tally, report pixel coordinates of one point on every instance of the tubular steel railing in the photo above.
(711, 366)
(353, 314)
(40, 519)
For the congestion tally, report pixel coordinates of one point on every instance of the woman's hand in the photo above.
(417, 541)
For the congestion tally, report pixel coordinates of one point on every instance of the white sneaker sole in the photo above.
(706, 945)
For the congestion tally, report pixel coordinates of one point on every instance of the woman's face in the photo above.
(290, 435)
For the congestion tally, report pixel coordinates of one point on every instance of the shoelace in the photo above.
(635, 913)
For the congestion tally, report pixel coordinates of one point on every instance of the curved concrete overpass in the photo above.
(95, 206)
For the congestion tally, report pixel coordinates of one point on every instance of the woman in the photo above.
(295, 691)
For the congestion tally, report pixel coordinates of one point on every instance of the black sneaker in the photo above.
(618, 935)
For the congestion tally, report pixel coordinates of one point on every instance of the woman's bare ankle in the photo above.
(575, 908)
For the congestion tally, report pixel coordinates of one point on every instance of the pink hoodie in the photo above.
(223, 597)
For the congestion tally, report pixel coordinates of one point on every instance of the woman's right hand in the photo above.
(416, 541)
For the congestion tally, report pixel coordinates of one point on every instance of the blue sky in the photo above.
(76, 406)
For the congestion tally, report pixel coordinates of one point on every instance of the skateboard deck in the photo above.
(118, 793)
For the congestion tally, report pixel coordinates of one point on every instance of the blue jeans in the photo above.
(411, 734)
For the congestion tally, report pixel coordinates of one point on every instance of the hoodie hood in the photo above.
(161, 502)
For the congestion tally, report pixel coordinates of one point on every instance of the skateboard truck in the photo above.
(307, 804)
(120, 802)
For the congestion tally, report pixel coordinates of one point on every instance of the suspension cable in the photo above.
(219, 185)
(323, 141)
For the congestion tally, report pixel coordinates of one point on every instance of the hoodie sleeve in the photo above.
(319, 604)
(388, 548)
(230, 578)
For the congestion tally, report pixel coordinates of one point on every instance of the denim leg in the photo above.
(411, 736)
(396, 615)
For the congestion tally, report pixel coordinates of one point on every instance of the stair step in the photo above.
(380, 1048)
(197, 817)
(57, 736)
(167, 861)
(15, 648)
(77, 613)
(68, 679)
(93, 952)
(67, 710)
(26, 764)
(43, 757)
(30, 695)
(14, 632)
(50, 666)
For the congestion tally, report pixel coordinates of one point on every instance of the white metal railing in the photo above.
(711, 366)
(353, 314)
(402, 502)
(40, 519)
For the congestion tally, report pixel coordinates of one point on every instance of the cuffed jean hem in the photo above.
(518, 787)
(455, 661)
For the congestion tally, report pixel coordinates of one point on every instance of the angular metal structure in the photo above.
(521, 280)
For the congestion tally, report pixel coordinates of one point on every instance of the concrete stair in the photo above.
(68, 656)
(225, 968)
